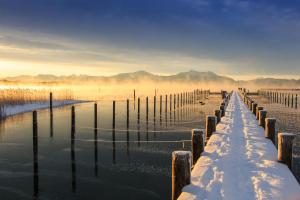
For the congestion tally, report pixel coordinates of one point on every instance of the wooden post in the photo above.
(174, 107)
(210, 126)
(51, 101)
(222, 108)
(147, 109)
(127, 116)
(114, 115)
(73, 119)
(258, 108)
(288, 100)
(166, 104)
(34, 123)
(197, 144)
(296, 98)
(181, 171)
(285, 148)
(35, 153)
(170, 102)
(154, 107)
(254, 106)
(270, 129)
(160, 105)
(139, 110)
(262, 118)
(218, 115)
(95, 115)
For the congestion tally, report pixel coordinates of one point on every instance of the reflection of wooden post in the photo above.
(285, 148)
(262, 118)
(181, 171)
(210, 126)
(270, 129)
(197, 144)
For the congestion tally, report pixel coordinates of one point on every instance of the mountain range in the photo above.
(139, 76)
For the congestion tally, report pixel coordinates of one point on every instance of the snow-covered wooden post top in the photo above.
(181, 171)
(285, 148)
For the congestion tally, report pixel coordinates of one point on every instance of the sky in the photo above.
(239, 38)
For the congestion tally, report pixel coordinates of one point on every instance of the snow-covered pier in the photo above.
(238, 162)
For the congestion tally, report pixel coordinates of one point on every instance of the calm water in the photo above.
(91, 165)
(287, 120)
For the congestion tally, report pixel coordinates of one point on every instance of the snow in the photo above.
(17, 109)
(239, 163)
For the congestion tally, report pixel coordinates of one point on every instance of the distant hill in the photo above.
(139, 76)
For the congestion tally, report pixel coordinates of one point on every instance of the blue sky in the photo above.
(233, 37)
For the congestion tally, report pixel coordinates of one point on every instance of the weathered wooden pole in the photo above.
(254, 106)
(178, 100)
(114, 115)
(270, 129)
(134, 99)
(160, 105)
(174, 107)
(222, 108)
(181, 171)
(296, 99)
(218, 115)
(285, 148)
(262, 118)
(258, 108)
(73, 120)
(154, 107)
(139, 111)
(170, 102)
(210, 126)
(127, 114)
(288, 100)
(292, 100)
(51, 101)
(147, 109)
(166, 104)
(197, 144)
(95, 115)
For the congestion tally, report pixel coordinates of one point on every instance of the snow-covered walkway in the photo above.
(239, 163)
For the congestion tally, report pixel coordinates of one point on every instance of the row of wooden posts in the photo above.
(183, 161)
(287, 99)
(284, 140)
(178, 100)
